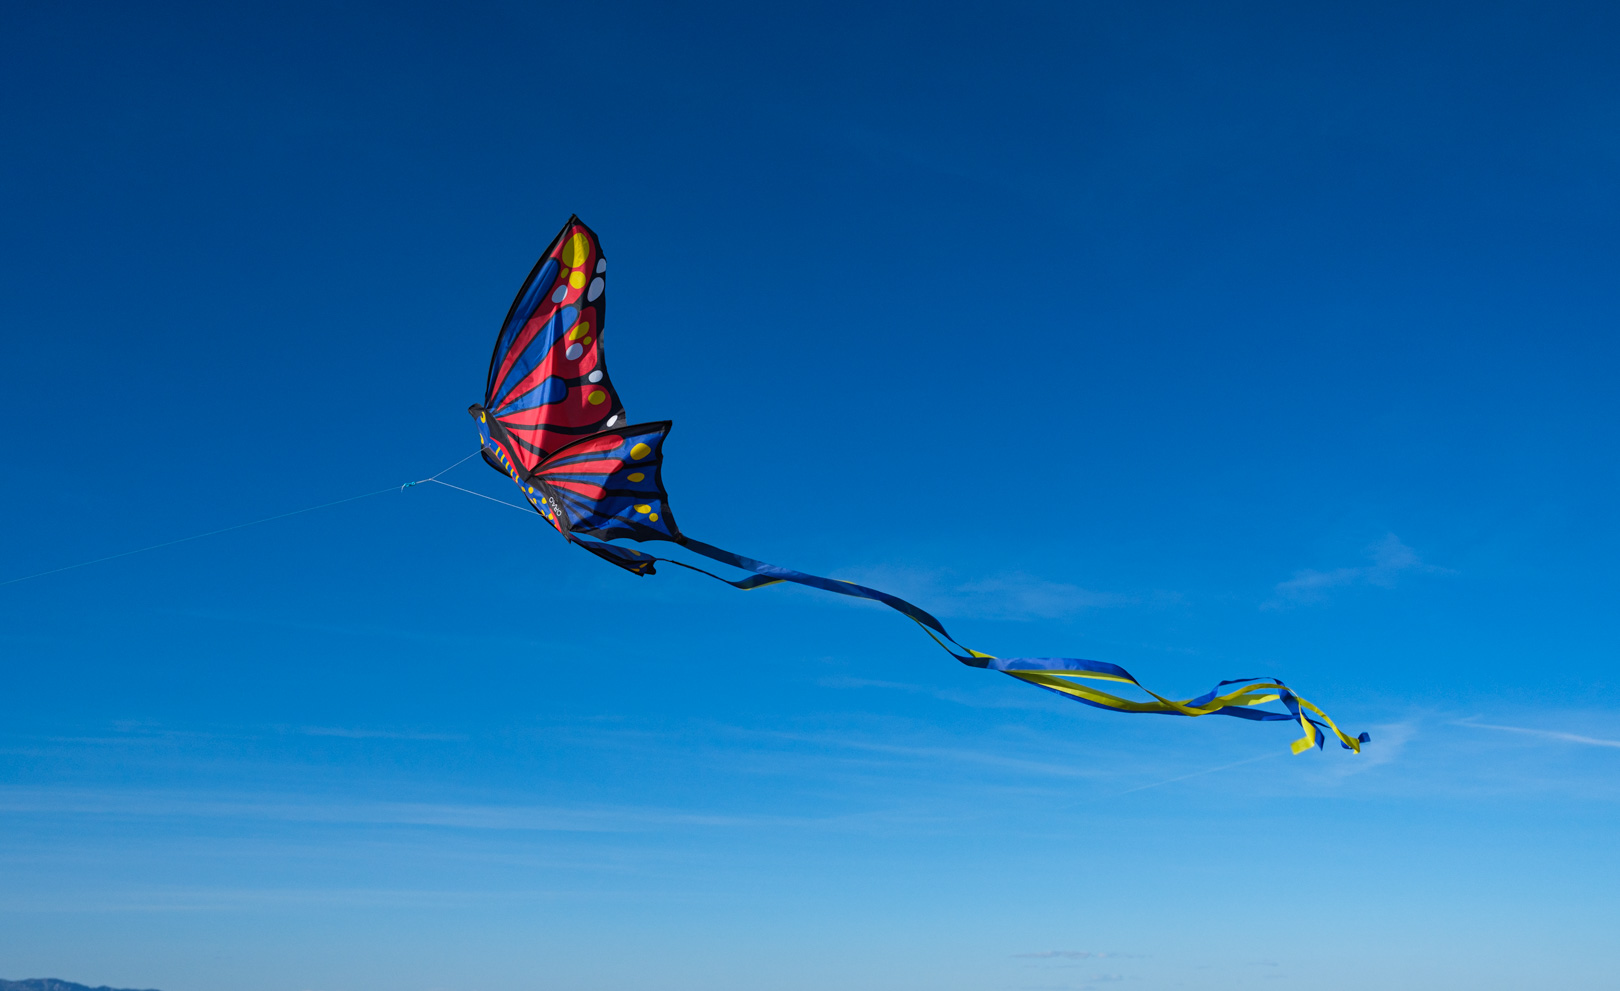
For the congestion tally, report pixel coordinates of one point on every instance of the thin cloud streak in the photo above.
(1390, 559)
(308, 810)
(378, 734)
(194, 899)
(949, 754)
(1548, 734)
(1208, 770)
(1071, 955)
(1012, 595)
(984, 699)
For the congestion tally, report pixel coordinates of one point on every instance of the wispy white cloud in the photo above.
(1390, 558)
(1016, 595)
(950, 755)
(309, 809)
(1069, 955)
(988, 699)
(1389, 741)
(1546, 734)
(176, 898)
(376, 734)
(1012, 595)
(1207, 770)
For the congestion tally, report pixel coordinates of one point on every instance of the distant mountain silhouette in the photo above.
(50, 984)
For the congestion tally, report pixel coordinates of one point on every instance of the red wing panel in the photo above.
(548, 381)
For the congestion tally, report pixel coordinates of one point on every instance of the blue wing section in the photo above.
(536, 289)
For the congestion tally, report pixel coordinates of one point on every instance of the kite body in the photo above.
(552, 422)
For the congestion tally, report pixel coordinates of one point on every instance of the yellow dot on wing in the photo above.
(578, 332)
(597, 398)
(636, 476)
(639, 451)
(577, 280)
(643, 508)
(576, 250)
(653, 517)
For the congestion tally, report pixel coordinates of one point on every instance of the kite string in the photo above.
(238, 526)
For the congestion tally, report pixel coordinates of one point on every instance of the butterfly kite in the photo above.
(552, 421)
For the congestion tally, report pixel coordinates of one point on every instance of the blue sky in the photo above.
(1209, 340)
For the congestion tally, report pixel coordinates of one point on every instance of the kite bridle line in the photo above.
(435, 476)
(511, 505)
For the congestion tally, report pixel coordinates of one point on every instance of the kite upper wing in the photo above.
(548, 380)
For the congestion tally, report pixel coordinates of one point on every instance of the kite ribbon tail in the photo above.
(1346, 741)
(1056, 674)
(770, 574)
